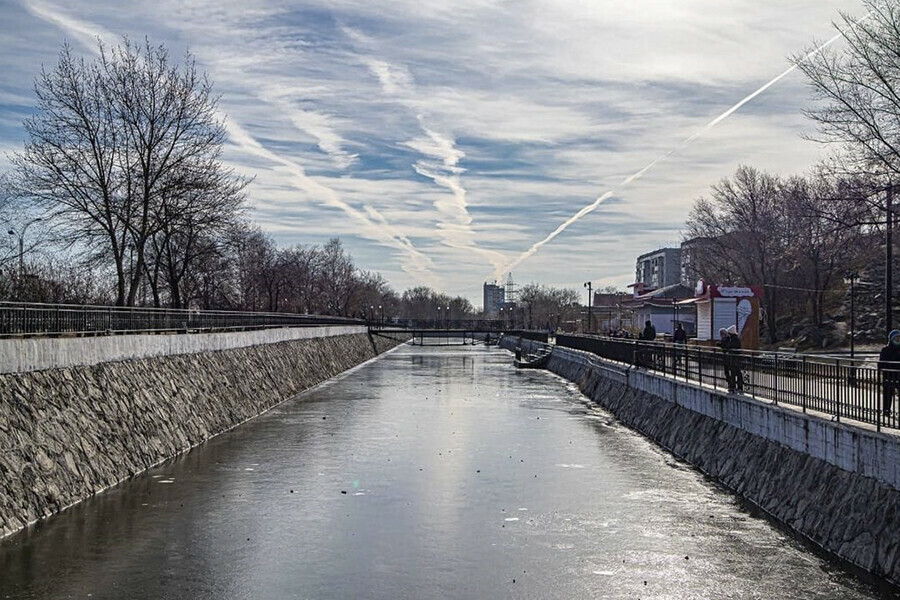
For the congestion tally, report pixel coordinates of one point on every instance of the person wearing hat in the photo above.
(889, 368)
(731, 344)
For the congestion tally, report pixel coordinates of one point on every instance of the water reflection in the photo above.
(435, 472)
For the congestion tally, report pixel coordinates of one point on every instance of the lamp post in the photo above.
(381, 310)
(674, 315)
(889, 260)
(852, 277)
(448, 317)
(438, 318)
(590, 302)
(21, 235)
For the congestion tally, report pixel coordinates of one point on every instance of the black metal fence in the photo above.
(56, 319)
(527, 334)
(840, 387)
(445, 324)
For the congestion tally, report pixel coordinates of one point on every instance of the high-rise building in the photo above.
(494, 298)
(659, 268)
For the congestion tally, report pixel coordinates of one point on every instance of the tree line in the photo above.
(120, 196)
(803, 237)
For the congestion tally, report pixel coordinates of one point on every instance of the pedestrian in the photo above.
(731, 345)
(680, 339)
(889, 369)
(646, 354)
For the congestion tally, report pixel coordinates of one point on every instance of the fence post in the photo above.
(805, 383)
(878, 401)
(840, 388)
(699, 366)
(752, 374)
(775, 380)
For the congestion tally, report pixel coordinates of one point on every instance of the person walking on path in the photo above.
(646, 358)
(889, 369)
(731, 344)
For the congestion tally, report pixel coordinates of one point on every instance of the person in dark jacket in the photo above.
(731, 344)
(680, 339)
(646, 354)
(889, 369)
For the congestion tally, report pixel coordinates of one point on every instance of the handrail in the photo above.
(34, 319)
(840, 387)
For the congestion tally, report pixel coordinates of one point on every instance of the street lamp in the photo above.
(382, 315)
(22, 250)
(448, 317)
(852, 278)
(590, 302)
(889, 260)
(674, 315)
(439, 318)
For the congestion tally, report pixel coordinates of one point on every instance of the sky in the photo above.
(445, 142)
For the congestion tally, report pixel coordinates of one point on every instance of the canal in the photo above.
(436, 472)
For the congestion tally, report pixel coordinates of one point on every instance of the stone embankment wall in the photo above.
(67, 433)
(836, 485)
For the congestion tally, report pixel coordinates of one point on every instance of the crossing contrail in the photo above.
(636, 175)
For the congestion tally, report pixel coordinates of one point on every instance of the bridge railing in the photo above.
(55, 319)
(465, 325)
(839, 387)
(447, 324)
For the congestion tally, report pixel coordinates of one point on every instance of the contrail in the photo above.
(636, 175)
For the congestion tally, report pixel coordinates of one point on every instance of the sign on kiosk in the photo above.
(723, 306)
(734, 292)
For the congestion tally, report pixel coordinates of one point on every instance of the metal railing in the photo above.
(17, 319)
(465, 326)
(841, 387)
(448, 324)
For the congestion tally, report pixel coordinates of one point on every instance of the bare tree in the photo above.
(70, 163)
(747, 235)
(546, 306)
(858, 89)
(126, 148)
(304, 278)
(339, 282)
(826, 235)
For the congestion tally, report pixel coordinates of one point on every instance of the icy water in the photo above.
(430, 473)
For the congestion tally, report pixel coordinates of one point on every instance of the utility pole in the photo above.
(21, 233)
(852, 277)
(889, 260)
(674, 315)
(590, 326)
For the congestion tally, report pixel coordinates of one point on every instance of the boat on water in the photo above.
(532, 361)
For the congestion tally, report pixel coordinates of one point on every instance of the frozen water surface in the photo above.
(407, 489)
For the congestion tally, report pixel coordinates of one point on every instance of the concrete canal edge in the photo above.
(106, 409)
(838, 486)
